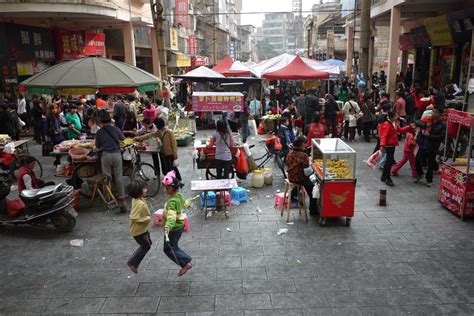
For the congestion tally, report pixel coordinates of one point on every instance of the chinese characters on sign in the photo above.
(182, 12)
(192, 45)
(174, 38)
(73, 44)
(209, 102)
(94, 44)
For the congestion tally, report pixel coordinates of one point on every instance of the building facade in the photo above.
(276, 31)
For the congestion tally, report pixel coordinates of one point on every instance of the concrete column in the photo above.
(371, 61)
(155, 59)
(364, 37)
(350, 49)
(393, 50)
(404, 62)
(129, 43)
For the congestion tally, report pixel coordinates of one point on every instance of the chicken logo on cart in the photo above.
(338, 200)
(218, 101)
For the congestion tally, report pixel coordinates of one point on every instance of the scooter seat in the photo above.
(38, 193)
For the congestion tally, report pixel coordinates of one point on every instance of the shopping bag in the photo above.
(47, 148)
(261, 129)
(374, 160)
(241, 165)
(253, 127)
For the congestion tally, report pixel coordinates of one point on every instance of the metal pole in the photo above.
(364, 37)
(215, 31)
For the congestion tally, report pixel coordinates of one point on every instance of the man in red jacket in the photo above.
(388, 131)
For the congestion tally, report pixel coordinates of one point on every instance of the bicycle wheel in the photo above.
(80, 176)
(148, 174)
(17, 163)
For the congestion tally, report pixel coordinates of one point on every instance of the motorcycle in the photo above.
(48, 205)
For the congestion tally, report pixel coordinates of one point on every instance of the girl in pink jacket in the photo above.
(408, 155)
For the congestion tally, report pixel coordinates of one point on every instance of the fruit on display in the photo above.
(273, 116)
(4, 139)
(335, 168)
(182, 132)
(172, 116)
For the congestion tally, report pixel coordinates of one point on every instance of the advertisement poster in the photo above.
(94, 44)
(338, 198)
(174, 38)
(451, 189)
(182, 12)
(218, 101)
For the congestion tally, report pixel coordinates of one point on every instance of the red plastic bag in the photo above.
(261, 129)
(374, 160)
(15, 208)
(241, 165)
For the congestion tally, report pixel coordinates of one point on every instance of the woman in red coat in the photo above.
(315, 129)
(388, 131)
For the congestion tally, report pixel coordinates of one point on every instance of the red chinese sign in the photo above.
(74, 44)
(405, 42)
(198, 61)
(452, 189)
(218, 101)
(460, 117)
(182, 12)
(95, 44)
(192, 45)
(338, 198)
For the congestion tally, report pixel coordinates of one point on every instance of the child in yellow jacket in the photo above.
(174, 223)
(139, 222)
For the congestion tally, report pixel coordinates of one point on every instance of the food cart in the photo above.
(456, 190)
(334, 164)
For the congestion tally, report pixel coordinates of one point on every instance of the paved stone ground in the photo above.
(411, 257)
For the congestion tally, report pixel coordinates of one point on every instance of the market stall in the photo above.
(334, 164)
(456, 191)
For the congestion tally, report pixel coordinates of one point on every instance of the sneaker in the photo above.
(390, 183)
(132, 267)
(185, 269)
(383, 179)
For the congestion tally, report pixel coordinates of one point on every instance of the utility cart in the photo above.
(334, 164)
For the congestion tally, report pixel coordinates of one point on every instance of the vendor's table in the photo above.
(20, 145)
(205, 186)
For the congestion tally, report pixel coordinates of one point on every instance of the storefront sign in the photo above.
(24, 68)
(461, 23)
(218, 101)
(95, 44)
(182, 12)
(71, 44)
(174, 38)
(406, 42)
(198, 61)
(192, 45)
(232, 50)
(28, 43)
(183, 61)
(438, 30)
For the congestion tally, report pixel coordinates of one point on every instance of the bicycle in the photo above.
(133, 168)
(13, 162)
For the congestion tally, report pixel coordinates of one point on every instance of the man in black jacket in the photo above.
(410, 106)
(429, 142)
(311, 105)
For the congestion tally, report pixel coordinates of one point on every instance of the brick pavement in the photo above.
(411, 257)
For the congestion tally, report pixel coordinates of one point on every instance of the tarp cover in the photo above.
(297, 70)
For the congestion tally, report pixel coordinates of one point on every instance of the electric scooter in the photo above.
(48, 205)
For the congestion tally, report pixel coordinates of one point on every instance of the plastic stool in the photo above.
(289, 186)
(211, 199)
(239, 194)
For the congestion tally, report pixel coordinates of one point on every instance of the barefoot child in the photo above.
(174, 223)
(139, 222)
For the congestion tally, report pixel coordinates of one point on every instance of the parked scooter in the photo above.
(48, 205)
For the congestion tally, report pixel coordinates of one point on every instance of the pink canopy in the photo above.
(230, 68)
(297, 70)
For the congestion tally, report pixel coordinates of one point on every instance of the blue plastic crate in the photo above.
(211, 199)
(239, 194)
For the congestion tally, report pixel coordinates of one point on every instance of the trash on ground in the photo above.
(103, 258)
(268, 196)
(290, 223)
(338, 243)
(278, 191)
(259, 210)
(298, 260)
(77, 242)
(282, 231)
(228, 229)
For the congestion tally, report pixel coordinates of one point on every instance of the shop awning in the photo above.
(297, 70)
(230, 68)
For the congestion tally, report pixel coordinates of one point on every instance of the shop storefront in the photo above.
(178, 62)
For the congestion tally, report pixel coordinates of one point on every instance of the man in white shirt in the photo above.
(21, 110)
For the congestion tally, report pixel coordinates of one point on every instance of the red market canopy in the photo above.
(297, 70)
(230, 68)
